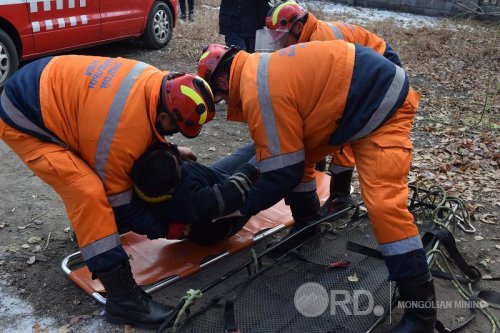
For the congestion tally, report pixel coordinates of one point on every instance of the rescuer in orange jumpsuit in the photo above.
(303, 101)
(288, 23)
(79, 123)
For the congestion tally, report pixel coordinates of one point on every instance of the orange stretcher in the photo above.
(161, 262)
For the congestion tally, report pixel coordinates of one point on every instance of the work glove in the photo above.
(305, 207)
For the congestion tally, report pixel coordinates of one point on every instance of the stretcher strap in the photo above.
(230, 317)
(446, 239)
(361, 249)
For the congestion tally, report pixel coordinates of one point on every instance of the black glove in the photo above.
(305, 206)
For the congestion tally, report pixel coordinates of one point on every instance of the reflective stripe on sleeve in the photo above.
(336, 31)
(220, 200)
(281, 161)
(266, 107)
(120, 199)
(100, 246)
(385, 107)
(402, 246)
(18, 118)
(113, 118)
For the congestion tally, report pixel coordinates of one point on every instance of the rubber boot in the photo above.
(340, 190)
(127, 303)
(305, 209)
(420, 312)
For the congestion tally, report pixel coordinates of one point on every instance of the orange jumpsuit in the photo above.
(79, 123)
(317, 30)
(302, 101)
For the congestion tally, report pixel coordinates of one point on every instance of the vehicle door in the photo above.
(62, 24)
(122, 18)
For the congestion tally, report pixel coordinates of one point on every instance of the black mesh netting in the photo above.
(270, 301)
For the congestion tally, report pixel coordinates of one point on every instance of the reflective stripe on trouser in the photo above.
(80, 188)
(342, 159)
(383, 163)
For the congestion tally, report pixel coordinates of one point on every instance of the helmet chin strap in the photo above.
(159, 128)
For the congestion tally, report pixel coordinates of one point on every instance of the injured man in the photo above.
(195, 201)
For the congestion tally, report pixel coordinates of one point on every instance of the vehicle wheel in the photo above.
(8, 58)
(159, 26)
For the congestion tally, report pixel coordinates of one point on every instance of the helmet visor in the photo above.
(267, 40)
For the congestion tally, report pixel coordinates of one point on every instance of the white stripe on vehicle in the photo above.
(59, 4)
(61, 22)
(84, 19)
(46, 5)
(35, 26)
(72, 21)
(48, 24)
(12, 2)
(71, 3)
(33, 6)
(83, 3)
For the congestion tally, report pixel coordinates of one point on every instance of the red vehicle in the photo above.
(34, 28)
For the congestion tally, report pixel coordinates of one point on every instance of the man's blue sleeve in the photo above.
(391, 55)
(137, 218)
(271, 187)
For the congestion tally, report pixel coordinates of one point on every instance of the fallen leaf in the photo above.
(67, 229)
(478, 238)
(22, 227)
(25, 246)
(34, 240)
(486, 218)
(2, 225)
(31, 260)
(497, 246)
(63, 329)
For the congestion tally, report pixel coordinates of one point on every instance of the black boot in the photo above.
(183, 16)
(420, 309)
(305, 209)
(191, 15)
(127, 303)
(321, 165)
(340, 190)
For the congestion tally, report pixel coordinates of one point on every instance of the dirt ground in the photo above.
(35, 296)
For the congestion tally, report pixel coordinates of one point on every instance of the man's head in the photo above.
(157, 173)
(285, 21)
(214, 66)
(186, 104)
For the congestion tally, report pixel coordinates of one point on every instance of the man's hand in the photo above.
(187, 154)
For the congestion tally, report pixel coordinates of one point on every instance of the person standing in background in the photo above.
(182, 5)
(239, 19)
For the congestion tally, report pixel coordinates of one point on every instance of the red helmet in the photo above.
(214, 55)
(188, 100)
(283, 15)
